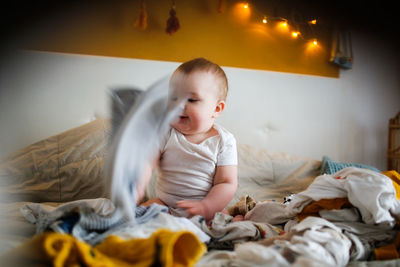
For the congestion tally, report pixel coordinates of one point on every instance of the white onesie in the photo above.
(187, 169)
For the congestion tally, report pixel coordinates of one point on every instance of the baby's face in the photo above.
(200, 96)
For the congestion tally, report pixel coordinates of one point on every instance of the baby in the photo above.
(198, 160)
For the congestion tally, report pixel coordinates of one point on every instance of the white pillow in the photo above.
(64, 167)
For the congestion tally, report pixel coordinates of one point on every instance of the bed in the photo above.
(298, 211)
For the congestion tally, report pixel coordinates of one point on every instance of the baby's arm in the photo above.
(147, 172)
(142, 183)
(222, 192)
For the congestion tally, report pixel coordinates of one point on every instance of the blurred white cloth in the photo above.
(136, 143)
(372, 193)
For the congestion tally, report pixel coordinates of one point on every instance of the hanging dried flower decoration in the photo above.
(172, 22)
(221, 6)
(141, 21)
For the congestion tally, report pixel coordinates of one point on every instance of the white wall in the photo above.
(42, 94)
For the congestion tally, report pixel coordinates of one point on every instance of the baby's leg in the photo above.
(151, 201)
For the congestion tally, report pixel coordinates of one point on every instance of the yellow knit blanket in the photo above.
(162, 248)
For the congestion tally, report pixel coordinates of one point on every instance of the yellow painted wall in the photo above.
(235, 38)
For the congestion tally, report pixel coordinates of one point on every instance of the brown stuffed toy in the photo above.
(244, 205)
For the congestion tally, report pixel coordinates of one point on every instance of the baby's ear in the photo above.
(219, 108)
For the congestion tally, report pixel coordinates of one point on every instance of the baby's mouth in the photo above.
(182, 118)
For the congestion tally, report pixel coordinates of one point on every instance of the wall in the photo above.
(346, 118)
(236, 38)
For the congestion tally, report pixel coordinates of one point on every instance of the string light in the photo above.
(292, 27)
(295, 34)
(265, 20)
(242, 11)
(314, 41)
(313, 22)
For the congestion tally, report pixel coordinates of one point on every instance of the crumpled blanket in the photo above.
(314, 238)
(380, 206)
(225, 232)
(313, 242)
(88, 220)
(367, 220)
(93, 220)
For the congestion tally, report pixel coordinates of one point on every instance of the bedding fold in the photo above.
(93, 220)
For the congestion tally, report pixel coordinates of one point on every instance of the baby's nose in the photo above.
(182, 105)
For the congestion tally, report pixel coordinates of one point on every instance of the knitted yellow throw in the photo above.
(162, 248)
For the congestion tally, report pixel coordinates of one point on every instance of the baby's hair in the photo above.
(203, 64)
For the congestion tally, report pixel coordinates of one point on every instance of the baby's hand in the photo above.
(193, 207)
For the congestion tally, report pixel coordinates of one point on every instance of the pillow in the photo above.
(64, 167)
(330, 167)
(269, 175)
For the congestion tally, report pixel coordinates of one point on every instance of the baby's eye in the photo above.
(192, 100)
(173, 98)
